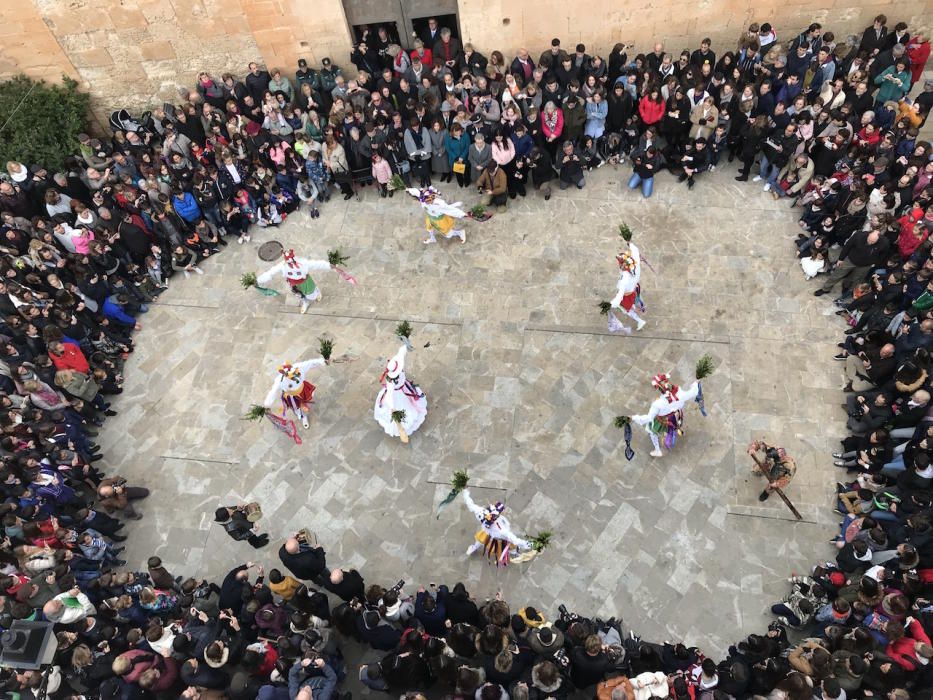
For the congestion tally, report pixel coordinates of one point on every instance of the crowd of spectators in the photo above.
(826, 123)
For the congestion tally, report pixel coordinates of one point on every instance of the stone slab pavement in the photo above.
(523, 383)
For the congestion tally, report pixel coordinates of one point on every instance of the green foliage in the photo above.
(625, 232)
(621, 421)
(403, 329)
(460, 480)
(541, 541)
(248, 280)
(604, 307)
(704, 367)
(334, 257)
(396, 182)
(477, 211)
(326, 346)
(255, 412)
(398, 417)
(42, 121)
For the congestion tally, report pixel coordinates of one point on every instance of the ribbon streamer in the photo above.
(627, 434)
(344, 275)
(448, 499)
(699, 399)
(286, 426)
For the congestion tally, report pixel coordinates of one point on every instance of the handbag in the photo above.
(459, 168)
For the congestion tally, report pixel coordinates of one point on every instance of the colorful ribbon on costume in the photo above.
(265, 291)
(674, 422)
(699, 399)
(286, 426)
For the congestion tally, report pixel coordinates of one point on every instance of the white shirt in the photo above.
(233, 173)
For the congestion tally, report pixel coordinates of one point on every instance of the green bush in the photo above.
(39, 122)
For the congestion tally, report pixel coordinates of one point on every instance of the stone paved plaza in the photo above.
(523, 383)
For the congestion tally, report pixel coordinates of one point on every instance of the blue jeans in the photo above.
(894, 468)
(769, 172)
(212, 214)
(647, 184)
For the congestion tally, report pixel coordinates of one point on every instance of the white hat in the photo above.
(393, 368)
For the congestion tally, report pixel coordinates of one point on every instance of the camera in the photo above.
(566, 615)
(561, 659)
(397, 588)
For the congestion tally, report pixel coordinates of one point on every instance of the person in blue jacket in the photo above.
(185, 205)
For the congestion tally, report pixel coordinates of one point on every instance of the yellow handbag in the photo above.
(459, 168)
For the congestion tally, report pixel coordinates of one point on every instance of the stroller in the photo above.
(121, 120)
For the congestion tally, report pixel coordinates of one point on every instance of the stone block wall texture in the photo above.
(138, 53)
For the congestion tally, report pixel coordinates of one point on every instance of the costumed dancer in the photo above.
(628, 294)
(666, 415)
(440, 217)
(292, 388)
(297, 272)
(495, 536)
(399, 394)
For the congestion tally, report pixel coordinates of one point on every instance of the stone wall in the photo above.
(137, 53)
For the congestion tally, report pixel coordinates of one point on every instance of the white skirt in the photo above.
(416, 410)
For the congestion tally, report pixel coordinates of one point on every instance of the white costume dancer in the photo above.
(398, 393)
(297, 272)
(666, 416)
(440, 217)
(292, 388)
(628, 291)
(495, 536)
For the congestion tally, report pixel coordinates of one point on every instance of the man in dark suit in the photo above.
(431, 34)
(448, 49)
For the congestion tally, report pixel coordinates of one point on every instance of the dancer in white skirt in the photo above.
(628, 292)
(398, 393)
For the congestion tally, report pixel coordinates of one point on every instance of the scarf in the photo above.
(416, 137)
(550, 120)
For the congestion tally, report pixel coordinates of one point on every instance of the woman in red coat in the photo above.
(911, 235)
(918, 51)
(651, 108)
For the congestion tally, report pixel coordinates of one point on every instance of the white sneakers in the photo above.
(641, 324)
(757, 178)
(767, 187)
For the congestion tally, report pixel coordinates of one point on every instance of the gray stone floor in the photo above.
(523, 383)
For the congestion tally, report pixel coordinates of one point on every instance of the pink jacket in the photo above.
(82, 240)
(503, 156)
(382, 171)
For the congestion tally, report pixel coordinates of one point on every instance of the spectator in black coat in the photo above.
(303, 560)
(346, 584)
(589, 663)
(874, 37)
(236, 588)
(460, 607)
(431, 610)
(257, 82)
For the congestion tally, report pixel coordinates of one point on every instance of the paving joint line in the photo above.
(575, 331)
(200, 459)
